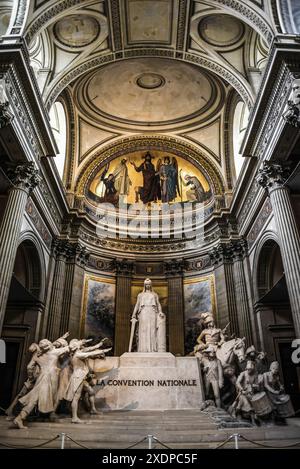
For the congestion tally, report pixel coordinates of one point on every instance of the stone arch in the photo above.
(123, 146)
(33, 250)
(268, 242)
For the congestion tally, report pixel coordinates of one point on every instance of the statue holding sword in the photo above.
(151, 321)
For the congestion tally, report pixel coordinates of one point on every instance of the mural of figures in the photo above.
(150, 190)
(195, 191)
(98, 318)
(150, 177)
(122, 179)
(199, 297)
(110, 193)
(168, 173)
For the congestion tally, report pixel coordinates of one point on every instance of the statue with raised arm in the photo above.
(44, 392)
(79, 381)
(151, 321)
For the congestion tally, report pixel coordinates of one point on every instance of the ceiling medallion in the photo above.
(77, 30)
(150, 81)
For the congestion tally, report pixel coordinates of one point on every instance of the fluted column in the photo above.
(24, 178)
(239, 251)
(174, 274)
(61, 249)
(272, 177)
(222, 260)
(123, 306)
(73, 288)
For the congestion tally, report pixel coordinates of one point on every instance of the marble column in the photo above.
(272, 177)
(24, 178)
(124, 271)
(73, 290)
(222, 260)
(239, 251)
(61, 251)
(175, 319)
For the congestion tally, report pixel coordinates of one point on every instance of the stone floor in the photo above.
(175, 429)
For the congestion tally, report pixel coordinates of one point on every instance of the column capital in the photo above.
(79, 253)
(239, 248)
(174, 267)
(273, 175)
(221, 254)
(24, 176)
(124, 267)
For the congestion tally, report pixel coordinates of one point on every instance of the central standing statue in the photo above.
(151, 321)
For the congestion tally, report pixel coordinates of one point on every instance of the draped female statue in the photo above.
(151, 321)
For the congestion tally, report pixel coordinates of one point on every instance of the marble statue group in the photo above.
(235, 378)
(58, 371)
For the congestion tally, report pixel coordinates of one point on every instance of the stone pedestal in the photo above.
(149, 381)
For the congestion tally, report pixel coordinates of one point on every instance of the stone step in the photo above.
(202, 432)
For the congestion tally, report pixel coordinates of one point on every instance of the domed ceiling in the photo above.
(148, 92)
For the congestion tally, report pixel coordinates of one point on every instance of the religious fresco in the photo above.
(98, 318)
(199, 297)
(149, 177)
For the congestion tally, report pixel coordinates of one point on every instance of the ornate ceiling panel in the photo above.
(131, 94)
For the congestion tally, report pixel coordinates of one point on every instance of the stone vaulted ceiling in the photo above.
(171, 68)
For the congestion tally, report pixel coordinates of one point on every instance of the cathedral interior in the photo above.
(149, 139)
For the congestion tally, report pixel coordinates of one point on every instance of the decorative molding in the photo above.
(105, 265)
(292, 115)
(5, 116)
(248, 203)
(251, 15)
(198, 264)
(237, 82)
(181, 27)
(259, 223)
(38, 223)
(49, 201)
(116, 24)
(47, 16)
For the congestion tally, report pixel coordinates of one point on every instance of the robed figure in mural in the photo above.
(122, 180)
(168, 173)
(150, 191)
(151, 321)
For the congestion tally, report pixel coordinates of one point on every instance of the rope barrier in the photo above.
(135, 444)
(162, 444)
(5, 445)
(224, 442)
(77, 443)
(235, 436)
(269, 446)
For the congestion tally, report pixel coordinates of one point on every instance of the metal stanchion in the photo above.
(150, 438)
(236, 440)
(63, 439)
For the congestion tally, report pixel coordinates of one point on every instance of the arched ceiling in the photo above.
(124, 67)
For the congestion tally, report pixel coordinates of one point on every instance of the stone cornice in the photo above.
(284, 63)
(23, 94)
